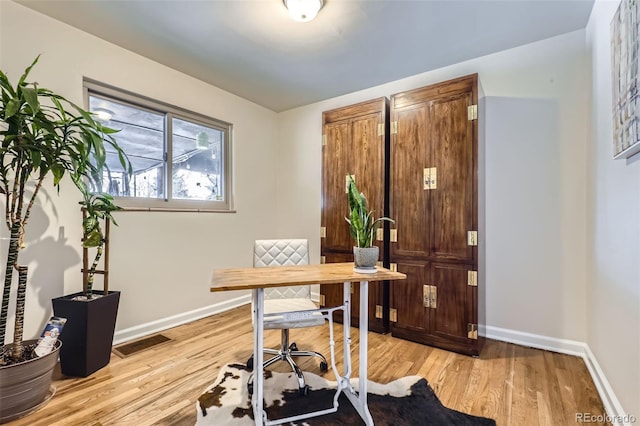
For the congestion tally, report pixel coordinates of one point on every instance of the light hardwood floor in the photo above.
(512, 384)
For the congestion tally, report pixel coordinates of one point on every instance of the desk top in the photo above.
(278, 276)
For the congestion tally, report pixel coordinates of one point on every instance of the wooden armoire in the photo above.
(354, 142)
(429, 177)
(434, 200)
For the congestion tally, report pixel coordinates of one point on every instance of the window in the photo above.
(181, 159)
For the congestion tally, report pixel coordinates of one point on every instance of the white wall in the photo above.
(613, 226)
(537, 107)
(162, 262)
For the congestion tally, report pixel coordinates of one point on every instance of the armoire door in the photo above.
(433, 198)
(355, 143)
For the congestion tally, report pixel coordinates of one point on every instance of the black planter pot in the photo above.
(87, 336)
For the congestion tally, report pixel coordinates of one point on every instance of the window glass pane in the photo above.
(181, 159)
(197, 172)
(141, 136)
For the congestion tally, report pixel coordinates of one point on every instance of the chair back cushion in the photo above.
(282, 253)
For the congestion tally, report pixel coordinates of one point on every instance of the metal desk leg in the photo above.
(359, 401)
(364, 344)
(346, 327)
(258, 353)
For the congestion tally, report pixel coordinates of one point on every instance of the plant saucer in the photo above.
(361, 270)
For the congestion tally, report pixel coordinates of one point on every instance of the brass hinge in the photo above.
(430, 296)
(393, 315)
(322, 300)
(380, 234)
(393, 267)
(472, 278)
(430, 178)
(378, 311)
(324, 140)
(347, 178)
(380, 129)
(394, 127)
(323, 259)
(472, 112)
(472, 331)
(393, 236)
(379, 264)
(472, 238)
(323, 232)
(426, 296)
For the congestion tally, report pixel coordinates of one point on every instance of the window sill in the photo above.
(174, 209)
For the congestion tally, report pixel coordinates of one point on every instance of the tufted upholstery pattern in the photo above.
(282, 253)
(289, 252)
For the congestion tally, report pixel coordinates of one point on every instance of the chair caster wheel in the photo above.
(250, 388)
(323, 366)
(304, 391)
(293, 347)
(250, 363)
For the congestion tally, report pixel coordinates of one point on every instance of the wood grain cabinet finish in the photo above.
(355, 142)
(434, 200)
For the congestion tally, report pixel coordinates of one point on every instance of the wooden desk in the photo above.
(257, 279)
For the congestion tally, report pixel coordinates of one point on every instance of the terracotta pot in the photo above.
(26, 386)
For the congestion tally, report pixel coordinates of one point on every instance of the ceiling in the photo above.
(253, 49)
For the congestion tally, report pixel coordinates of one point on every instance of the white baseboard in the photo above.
(612, 405)
(142, 330)
(564, 346)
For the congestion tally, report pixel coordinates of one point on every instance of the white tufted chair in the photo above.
(291, 252)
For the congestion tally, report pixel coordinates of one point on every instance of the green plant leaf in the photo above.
(36, 158)
(31, 96)
(6, 85)
(27, 71)
(362, 224)
(58, 105)
(99, 152)
(58, 173)
(108, 130)
(12, 108)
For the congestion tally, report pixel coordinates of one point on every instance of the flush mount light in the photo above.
(103, 114)
(303, 10)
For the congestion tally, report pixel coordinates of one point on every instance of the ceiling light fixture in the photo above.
(303, 10)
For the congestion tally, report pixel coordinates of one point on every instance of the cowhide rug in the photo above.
(408, 401)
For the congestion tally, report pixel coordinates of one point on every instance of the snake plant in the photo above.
(362, 224)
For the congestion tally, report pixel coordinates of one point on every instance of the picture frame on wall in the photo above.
(625, 28)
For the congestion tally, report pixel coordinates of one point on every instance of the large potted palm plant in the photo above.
(91, 317)
(43, 137)
(363, 227)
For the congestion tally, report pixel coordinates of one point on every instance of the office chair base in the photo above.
(286, 353)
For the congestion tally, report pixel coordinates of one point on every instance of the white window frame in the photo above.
(95, 88)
